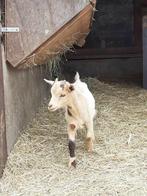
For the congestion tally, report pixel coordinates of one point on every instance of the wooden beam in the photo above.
(137, 23)
(107, 53)
(3, 145)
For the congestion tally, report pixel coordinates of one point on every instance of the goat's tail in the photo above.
(77, 76)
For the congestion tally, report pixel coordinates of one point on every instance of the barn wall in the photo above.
(25, 90)
(3, 146)
(125, 69)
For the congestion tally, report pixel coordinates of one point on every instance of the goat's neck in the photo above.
(73, 104)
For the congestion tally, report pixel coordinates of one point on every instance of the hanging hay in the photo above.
(37, 166)
(54, 62)
(51, 57)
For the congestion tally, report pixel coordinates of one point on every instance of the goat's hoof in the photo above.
(89, 144)
(72, 162)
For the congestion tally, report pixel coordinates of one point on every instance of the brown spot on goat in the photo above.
(69, 113)
(72, 126)
(71, 87)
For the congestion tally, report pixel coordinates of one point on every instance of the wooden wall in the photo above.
(3, 146)
(38, 21)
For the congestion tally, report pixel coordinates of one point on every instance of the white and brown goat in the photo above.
(79, 106)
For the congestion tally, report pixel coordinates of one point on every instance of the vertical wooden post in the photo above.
(145, 52)
(137, 23)
(3, 145)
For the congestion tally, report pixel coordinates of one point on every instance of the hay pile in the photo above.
(37, 166)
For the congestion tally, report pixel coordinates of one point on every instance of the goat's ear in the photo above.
(71, 88)
(56, 80)
(49, 81)
(77, 76)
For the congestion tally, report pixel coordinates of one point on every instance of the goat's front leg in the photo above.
(71, 144)
(90, 138)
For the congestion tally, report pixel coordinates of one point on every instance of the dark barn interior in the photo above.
(113, 49)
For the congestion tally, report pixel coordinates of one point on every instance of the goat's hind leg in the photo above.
(90, 138)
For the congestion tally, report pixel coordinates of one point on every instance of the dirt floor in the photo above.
(38, 164)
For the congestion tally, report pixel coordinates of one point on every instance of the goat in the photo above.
(79, 105)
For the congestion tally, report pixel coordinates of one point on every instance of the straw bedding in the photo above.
(37, 166)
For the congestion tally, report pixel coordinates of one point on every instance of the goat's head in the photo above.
(60, 94)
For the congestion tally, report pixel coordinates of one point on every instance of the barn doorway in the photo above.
(114, 48)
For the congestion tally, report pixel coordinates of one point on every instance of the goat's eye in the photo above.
(62, 95)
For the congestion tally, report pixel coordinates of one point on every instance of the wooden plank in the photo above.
(13, 40)
(105, 53)
(106, 56)
(112, 69)
(74, 31)
(145, 52)
(3, 146)
(37, 22)
(137, 23)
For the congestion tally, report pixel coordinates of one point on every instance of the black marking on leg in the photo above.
(71, 146)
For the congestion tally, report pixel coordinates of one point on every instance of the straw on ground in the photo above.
(38, 163)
